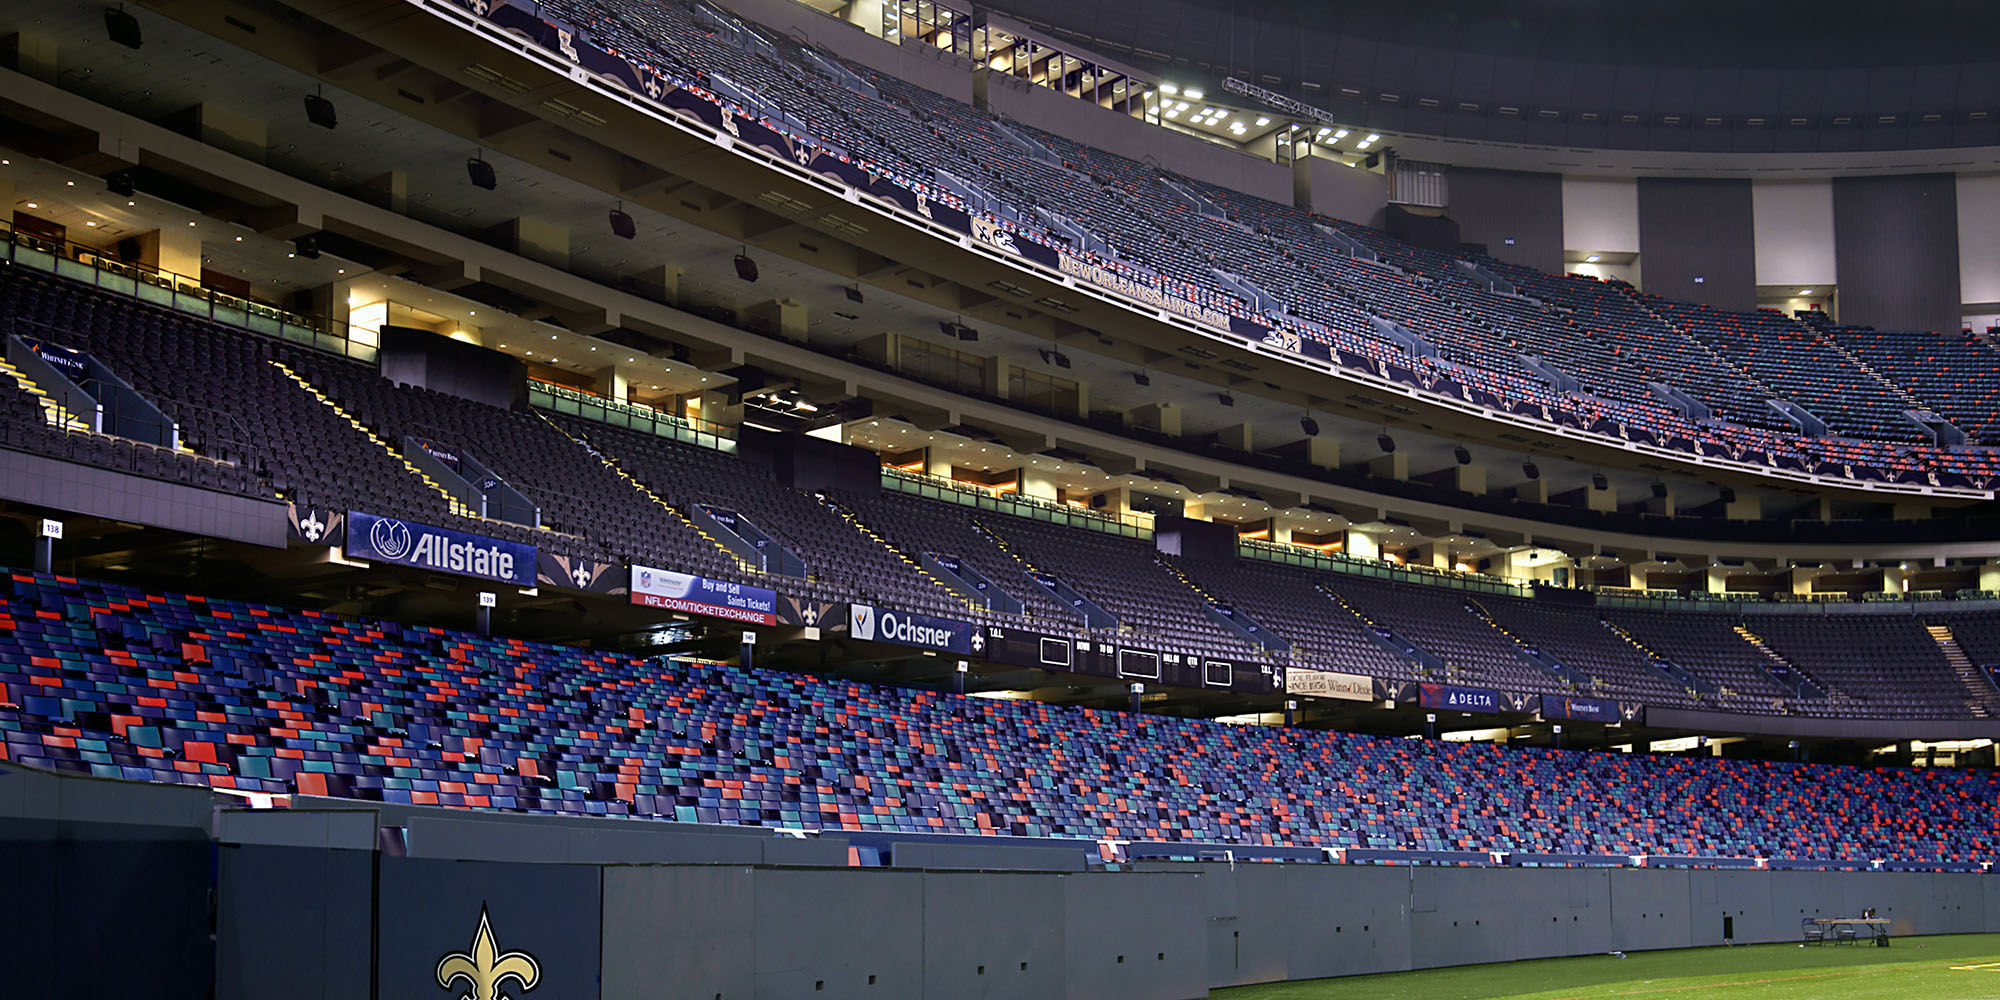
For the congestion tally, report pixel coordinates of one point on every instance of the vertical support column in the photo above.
(1164, 418)
(1037, 482)
(1136, 690)
(1363, 545)
(749, 648)
(611, 379)
(1291, 711)
(30, 55)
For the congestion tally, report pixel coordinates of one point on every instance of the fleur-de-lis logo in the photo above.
(312, 527)
(653, 87)
(484, 968)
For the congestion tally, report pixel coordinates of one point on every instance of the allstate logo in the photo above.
(390, 537)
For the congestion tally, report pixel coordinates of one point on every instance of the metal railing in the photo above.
(556, 398)
(183, 293)
(1129, 525)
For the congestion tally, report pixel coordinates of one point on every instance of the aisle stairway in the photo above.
(1782, 669)
(1981, 698)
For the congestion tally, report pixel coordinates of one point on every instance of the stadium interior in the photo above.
(775, 498)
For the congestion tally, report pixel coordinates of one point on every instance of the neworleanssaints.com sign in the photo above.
(443, 550)
(664, 588)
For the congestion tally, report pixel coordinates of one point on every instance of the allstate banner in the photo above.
(1458, 699)
(442, 550)
(664, 588)
(1329, 684)
(1581, 709)
(871, 624)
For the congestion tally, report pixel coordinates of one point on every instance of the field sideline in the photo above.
(1924, 968)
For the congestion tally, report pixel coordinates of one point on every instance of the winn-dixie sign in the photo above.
(443, 550)
(1329, 684)
(871, 624)
(664, 588)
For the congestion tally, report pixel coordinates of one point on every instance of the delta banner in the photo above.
(1329, 684)
(1580, 709)
(441, 550)
(868, 623)
(1458, 699)
(664, 588)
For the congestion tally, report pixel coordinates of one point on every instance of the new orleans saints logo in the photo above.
(484, 968)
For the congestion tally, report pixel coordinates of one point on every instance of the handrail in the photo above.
(1131, 524)
(186, 294)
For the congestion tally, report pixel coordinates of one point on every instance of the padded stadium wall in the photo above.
(1896, 243)
(336, 899)
(1494, 206)
(1703, 229)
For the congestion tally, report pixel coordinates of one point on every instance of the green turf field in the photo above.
(1929, 968)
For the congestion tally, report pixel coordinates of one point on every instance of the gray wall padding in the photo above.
(1895, 248)
(1699, 228)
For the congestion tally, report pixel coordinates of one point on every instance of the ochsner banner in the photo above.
(1329, 684)
(664, 588)
(426, 546)
(869, 624)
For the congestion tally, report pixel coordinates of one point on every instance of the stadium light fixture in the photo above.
(1463, 454)
(1599, 482)
(1194, 94)
(1169, 89)
(1309, 425)
(1592, 259)
(1386, 443)
(320, 111)
(622, 224)
(122, 27)
(745, 267)
(853, 293)
(1141, 378)
(1263, 121)
(1531, 470)
(1805, 291)
(1339, 134)
(480, 173)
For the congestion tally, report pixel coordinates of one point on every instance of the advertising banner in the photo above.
(442, 550)
(1458, 699)
(871, 624)
(663, 588)
(1581, 709)
(1329, 684)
